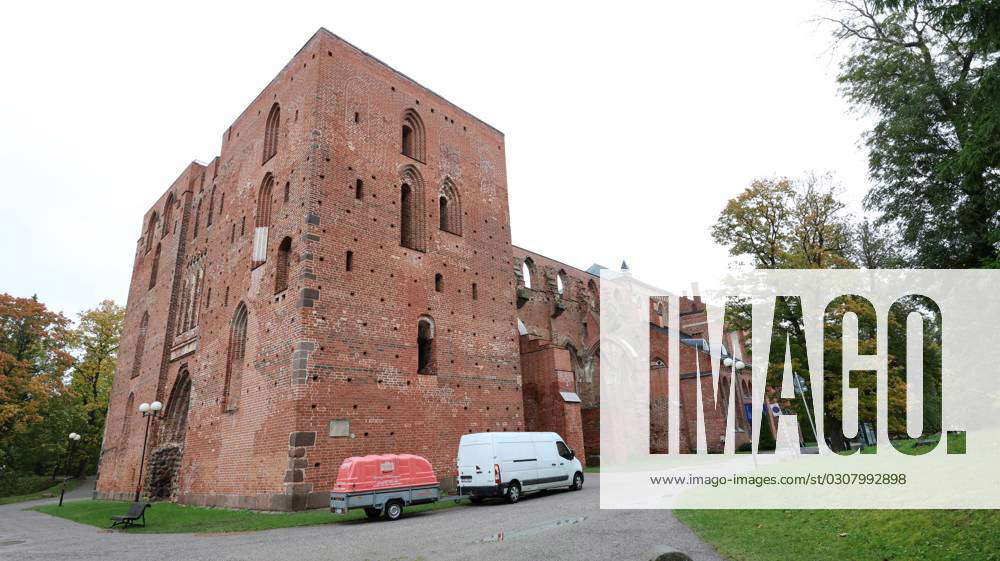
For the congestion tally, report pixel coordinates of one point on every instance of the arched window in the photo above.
(281, 266)
(407, 140)
(271, 133)
(425, 345)
(560, 282)
(126, 417)
(527, 267)
(475, 292)
(211, 207)
(175, 420)
(449, 209)
(262, 221)
(197, 220)
(411, 210)
(140, 345)
(168, 212)
(153, 269)
(150, 229)
(182, 323)
(438, 282)
(349, 261)
(406, 216)
(413, 138)
(236, 355)
(359, 189)
(199, 285)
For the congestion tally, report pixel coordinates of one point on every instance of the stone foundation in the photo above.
(161, 479)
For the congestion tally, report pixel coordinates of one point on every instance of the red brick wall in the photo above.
(547, 373)
(565, 330)
(363, 324)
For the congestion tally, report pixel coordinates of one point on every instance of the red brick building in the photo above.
(340, 281)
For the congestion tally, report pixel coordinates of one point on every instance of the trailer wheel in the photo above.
(393, 510)
(513, 492)
(372, 512)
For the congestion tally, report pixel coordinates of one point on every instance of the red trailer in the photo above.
(383, 484)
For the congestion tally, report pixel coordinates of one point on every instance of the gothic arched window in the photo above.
(140, 345)
(262, 221)
(281, 265)
(236, 356)
(527, 268)
(150, 228)
(413, 136)
(425, 345)
(271, 133)
(412, 218)
(168, 212)
(449, 209)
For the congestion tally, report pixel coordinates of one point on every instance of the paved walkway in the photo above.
(559, 525)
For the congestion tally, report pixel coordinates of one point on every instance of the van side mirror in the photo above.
(572, 454)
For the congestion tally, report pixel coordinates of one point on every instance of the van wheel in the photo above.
(577, 482)
(393, 510)
(476, 500)
(513, 492)
(372, 512)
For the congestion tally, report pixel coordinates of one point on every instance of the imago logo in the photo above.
(808, 389)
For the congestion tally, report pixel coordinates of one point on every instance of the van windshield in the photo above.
(563, 450)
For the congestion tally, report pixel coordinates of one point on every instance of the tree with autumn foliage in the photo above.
(33, 360)
(55, 378)
(784, 223)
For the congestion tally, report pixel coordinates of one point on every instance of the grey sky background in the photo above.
(628, 125)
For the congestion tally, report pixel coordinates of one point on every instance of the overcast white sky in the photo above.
(628, 126)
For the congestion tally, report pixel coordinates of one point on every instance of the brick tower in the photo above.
(336, 283)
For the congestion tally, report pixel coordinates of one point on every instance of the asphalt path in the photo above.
(551, 526)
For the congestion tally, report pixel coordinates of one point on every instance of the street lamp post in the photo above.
(148, 410)
(73, 439)
(736, 366)
(800, 386)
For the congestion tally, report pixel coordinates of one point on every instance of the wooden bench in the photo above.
(136, 512)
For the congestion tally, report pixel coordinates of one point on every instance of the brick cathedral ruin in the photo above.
(340, 281)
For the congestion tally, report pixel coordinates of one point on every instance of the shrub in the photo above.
(20, 484)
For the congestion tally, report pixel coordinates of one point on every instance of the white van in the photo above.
(509, 464)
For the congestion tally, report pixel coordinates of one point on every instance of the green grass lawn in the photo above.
(852, 535)
(955, 443)
(170, 518)
(52, 491)
(855, 535)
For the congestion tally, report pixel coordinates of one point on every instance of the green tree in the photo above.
(876, 247)
(802, 224)
(929, 72)
(95, 341)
